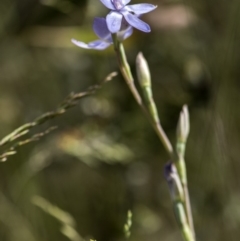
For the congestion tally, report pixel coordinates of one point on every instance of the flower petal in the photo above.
(114, 20)
(118, 4)
(80, 44)
(100, 28)
(124, 34)
(97, 44)
(140, 8)
(108, 4)
(136, 22)
(125, 2)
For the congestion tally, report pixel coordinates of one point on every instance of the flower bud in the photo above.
(143, 72)
(183, 127)
(174, 183)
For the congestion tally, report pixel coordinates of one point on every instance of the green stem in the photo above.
(127, 74)
(181, 167)
(182, 221)
(188, 208)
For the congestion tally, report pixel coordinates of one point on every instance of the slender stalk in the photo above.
(188, 208)
(183, 129)
(182, 221)
(178, 197)
(127, 74)
(181, 166)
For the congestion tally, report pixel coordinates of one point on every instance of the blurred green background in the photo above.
(104, 158)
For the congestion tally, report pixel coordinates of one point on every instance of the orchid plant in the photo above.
(114, 29)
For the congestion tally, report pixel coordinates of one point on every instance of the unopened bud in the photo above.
(143, 72)
(183, 127)
(173, 180)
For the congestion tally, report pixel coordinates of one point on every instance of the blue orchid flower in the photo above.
(130, 13)
(105, 38)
